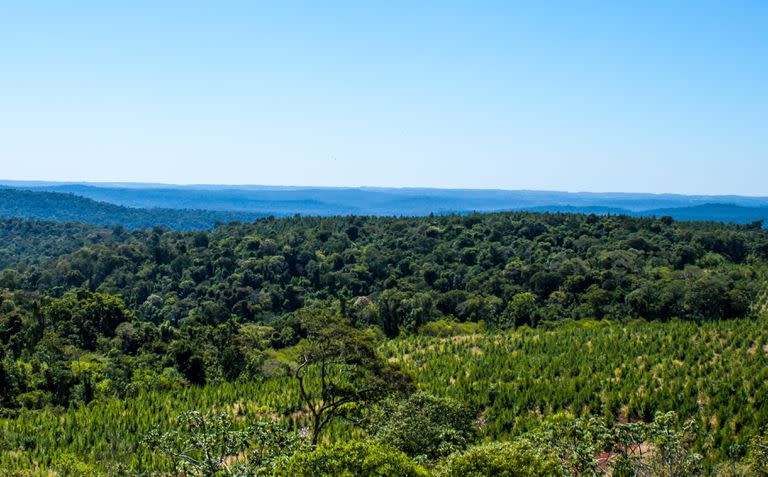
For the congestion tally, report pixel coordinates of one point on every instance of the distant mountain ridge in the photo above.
(372, 200)
(193, 207)
(63, 207)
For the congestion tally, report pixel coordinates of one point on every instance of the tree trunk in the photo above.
(315, 429)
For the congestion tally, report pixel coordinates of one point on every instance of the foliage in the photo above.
(339, 368)
(351, 459)
(68, 465)
(714, 372)
(401, 273)
(25, 242)
(757, 457)
(424, 426)
(670, 455)
(579, 444)
(272, 444)
(445, 328)
(621, 372)
(502, 459)
(200, 445)
(212, 444)
(532, 320)
(593, 447)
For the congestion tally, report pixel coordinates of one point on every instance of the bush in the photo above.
(34, 399)
(757, 456)
(500, 459)
(445, 328)
(424, 426)
(351, 459)
(67, 465)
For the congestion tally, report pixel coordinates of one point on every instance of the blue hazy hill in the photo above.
(63, 207)
(205, 204)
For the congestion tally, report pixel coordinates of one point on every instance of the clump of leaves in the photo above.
(351, 458)
(207, 445)
(671, 455)
(272, 444)
(503, 459)
(757, 457)
(200, 445)
(592, 447)
(423, 426)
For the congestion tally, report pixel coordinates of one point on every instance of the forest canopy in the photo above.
(400, 273)
(465, 326)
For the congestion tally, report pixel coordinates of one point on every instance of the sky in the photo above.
(652, 96)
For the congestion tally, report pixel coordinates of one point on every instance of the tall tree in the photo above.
(338, 368)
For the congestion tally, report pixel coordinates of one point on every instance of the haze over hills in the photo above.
(203, 205)
(61, 207)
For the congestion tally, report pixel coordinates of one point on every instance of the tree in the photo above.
(87, 316)
(339, 367)
(521, 309)
(189, 361)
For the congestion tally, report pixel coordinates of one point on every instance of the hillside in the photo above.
(57, 206)
(627, 371)
(539, 331)
(30, 242)
(417, 269)
(715, 213)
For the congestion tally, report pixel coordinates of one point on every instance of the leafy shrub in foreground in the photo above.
(424, 426)
(351, 459)
(500, 459)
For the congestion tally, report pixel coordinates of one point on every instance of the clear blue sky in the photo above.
(667, 96)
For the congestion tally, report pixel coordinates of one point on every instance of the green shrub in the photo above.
(424, 426)
(500, 459)
(351, 459)
(34, 399)
(444, 328)
(68, 465)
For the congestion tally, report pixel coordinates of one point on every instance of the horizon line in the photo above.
(243, 186)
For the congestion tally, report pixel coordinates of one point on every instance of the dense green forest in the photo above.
(402, 272)
(26, 242)
(503, 344)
